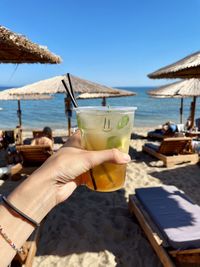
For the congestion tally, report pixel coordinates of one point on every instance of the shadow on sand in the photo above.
(96, 222)
(181, 177)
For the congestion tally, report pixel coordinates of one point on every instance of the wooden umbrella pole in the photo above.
(68, 112)
(103, 102)
(181, 111)
(193, 112)
(19, 113)
(19, 129)
(69, 126)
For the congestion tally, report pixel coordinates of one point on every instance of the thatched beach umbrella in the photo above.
(181, 89)
(164, 96)
(5, 96)
(55, 85)
(15, 48)
(121, 93)
(188, 67)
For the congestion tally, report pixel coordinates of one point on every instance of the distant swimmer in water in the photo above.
(1, 108)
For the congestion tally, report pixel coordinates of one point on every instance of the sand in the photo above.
(97, 230)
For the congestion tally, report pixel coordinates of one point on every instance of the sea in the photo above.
(151, 112)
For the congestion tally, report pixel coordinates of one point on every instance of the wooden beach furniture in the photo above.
(171, 223)
(158, 135)
(37, 133)
(34, 155)
(30, 249)
(173, 151)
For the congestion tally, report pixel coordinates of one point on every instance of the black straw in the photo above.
(93, 179)
(73, 99)
(70, 85)
(70, 94)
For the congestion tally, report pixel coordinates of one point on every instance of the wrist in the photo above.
(35, 196)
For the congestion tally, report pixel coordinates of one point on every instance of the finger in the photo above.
(112, 155)
(74, 140)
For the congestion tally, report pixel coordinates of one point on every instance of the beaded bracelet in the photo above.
(7, 239)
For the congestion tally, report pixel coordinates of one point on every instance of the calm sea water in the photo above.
(39, 113)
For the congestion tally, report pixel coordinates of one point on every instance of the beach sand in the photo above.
(97, 230)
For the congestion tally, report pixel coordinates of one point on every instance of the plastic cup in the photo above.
(105, 128)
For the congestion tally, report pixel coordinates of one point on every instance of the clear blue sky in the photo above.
(113, 42)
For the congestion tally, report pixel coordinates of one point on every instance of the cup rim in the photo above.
(105, 109)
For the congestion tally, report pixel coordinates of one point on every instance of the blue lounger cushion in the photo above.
(176, 216)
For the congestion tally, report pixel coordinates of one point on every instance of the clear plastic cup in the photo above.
(106, 128)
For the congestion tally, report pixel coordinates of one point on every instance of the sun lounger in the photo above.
(160, 134)
(34, 155)
(171, 222)
(173, 151)
(37, 133)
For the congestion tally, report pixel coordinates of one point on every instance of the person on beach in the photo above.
(169, 128)
(48, 186)
(45, 139)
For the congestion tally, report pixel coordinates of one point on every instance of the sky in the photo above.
(112, 42)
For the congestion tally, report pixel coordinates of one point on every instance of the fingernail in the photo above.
(126, 157)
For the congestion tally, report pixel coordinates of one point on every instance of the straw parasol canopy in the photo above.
(16, 48)
(181, 89)
(188, 67)
(184, 88)
(54, 85)
(4, 95)
(121, 93)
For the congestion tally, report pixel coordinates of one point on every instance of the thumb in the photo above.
(111, 155)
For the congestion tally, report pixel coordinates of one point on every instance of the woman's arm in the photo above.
(51, 184)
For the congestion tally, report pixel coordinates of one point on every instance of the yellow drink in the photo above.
(105, 128)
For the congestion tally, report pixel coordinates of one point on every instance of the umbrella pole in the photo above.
(193, 112)
(68, 112)
(69, 126)
(181, 111)
(19, 113)
(103, 102)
